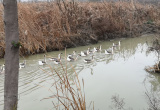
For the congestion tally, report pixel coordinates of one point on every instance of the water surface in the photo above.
(121, 73)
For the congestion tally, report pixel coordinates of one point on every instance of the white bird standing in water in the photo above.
(43, 62)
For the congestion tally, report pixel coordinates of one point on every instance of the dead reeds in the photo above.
(45, 27)
(66, 89)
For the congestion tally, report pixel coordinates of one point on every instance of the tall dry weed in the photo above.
(46, 27)
(67, 89)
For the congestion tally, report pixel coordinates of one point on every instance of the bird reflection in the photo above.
(91, 71)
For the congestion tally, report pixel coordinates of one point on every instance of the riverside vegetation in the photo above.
(155, 48)
(52, 26)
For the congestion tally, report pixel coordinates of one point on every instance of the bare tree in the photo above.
(11, 54)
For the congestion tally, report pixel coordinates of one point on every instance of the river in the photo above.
(120, 74)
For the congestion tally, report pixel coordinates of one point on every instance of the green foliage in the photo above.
(16, 44)
(149, 22)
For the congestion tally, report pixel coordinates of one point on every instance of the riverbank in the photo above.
(46, 27)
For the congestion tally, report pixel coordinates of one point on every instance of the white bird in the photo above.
(2, 69)
(114, 45)
(98, 49)
(94, 50)
(70, 58)
(109, 52)
(88, 60)
(22, 65)
(58, 61)
(90, 51)
(118, 44)
(43, 62)
(83, 54)
(73, 54)
(53, 59)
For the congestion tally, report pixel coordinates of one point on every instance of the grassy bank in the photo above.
(52, 26)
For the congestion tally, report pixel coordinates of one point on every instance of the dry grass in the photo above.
(45, 27)
(68, 90)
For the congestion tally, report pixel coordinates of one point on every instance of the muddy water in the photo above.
(120, 74)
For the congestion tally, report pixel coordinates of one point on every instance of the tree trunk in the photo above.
(11, 55)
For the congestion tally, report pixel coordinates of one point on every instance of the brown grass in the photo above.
(68, 89)
(45, 27)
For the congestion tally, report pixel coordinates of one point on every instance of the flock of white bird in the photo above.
(71, 57)
(74, 56)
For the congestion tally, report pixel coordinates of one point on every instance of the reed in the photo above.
(68, 90)
(52, 26)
